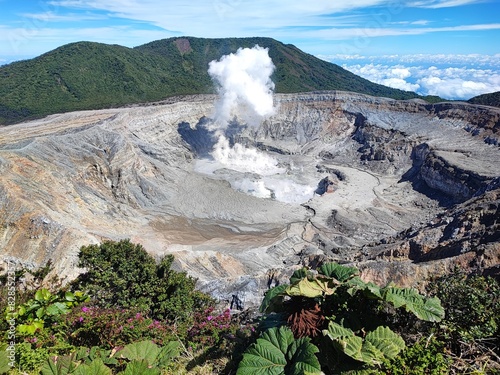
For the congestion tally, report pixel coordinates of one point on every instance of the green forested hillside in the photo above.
(492, 99)
(88, 75)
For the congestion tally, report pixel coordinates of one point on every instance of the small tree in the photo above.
(122, 274)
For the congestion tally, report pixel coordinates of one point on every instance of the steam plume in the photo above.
(246, 91)
(245, 86)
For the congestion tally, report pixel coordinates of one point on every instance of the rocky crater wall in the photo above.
(378, 171)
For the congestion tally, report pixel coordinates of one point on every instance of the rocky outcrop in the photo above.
(402, 189)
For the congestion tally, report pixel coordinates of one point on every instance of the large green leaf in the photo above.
(142, 350)
(299, 274)
(337, 271)
(57, 308)
(43, 295)
(96, 367)
(301, 357)
(389, 343)
(318, 287)
(167, 353)
(140, 367)
(429, 309)
(4, 359)
(377, 345)
(59, 365)
(336, 331)
(273, 299)
(278, 353)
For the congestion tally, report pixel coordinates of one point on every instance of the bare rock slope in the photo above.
(403, 189)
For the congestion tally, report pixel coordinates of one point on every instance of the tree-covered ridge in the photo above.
(492, 99)
(87, 75)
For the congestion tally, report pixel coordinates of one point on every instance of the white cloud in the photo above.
(35, 41)
(52, 16)
(448, 82)
(376, 32)
(434, 4)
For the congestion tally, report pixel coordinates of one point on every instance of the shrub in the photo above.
(471, 328)
(425, 357)
(472, 305)
(208, 328)
(111, 327)
(123, 275)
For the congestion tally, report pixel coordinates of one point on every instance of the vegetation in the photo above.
(345, 318)
(87, 75)
(492, 99)
(324, 320)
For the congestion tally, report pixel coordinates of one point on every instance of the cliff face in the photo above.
(401, 188)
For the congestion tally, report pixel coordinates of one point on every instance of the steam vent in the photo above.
(403, 189)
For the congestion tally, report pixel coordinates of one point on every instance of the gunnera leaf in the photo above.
(298, 275)
(389, 343)
(337, 271)
(273, 299)
(59, 365)
(96, 367)
(142, 350)
(278, 353)
(141, 367)
(318, 287)
(428, 309)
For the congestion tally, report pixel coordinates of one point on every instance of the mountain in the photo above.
(88, 75)
(492, 99)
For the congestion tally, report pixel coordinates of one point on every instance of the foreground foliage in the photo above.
(326, 320)
(342, 316)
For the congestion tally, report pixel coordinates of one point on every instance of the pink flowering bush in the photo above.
(209, 328)
(111, 327)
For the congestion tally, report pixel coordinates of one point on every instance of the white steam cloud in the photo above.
(246, 92)
(245, 86)
(244, 159)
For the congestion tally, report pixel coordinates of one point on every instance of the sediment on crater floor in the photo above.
(401, 188)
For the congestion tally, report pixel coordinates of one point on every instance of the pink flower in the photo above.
(210, 317)
(80, 319)
(85, 309)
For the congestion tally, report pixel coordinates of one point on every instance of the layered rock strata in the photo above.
(403, 189)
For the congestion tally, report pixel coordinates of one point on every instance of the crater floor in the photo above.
(330, 174)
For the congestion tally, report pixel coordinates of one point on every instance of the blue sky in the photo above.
(376, 34)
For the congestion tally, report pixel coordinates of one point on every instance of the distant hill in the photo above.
(88, 75)
(492, 99)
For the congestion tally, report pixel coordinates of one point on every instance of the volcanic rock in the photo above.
(402, 189)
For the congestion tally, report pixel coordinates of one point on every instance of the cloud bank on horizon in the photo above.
(455, 77)
(349, 27)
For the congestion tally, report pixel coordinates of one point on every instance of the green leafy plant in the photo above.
(96, 367)
(343, 316)
(45, 309)
(154, 355)
(29, 358)
(277, 352)
(476, 295)
(144, 357)
(87, 356)
(471, 330)
(5, 362)
(425, 357)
